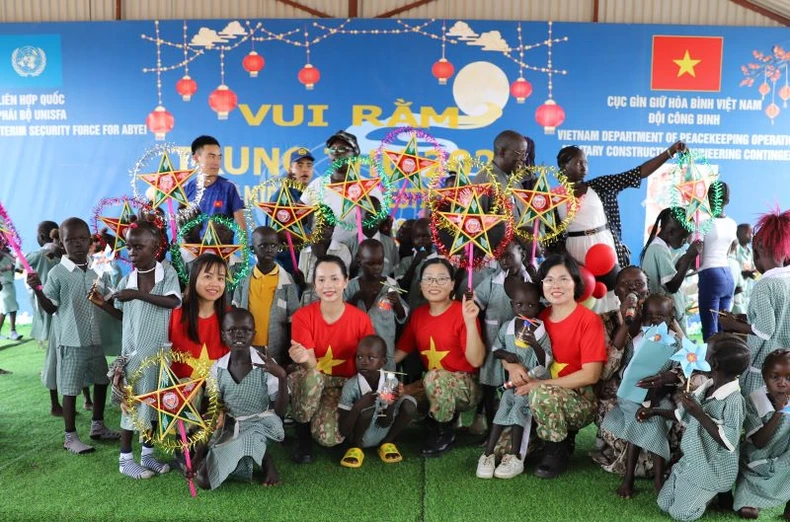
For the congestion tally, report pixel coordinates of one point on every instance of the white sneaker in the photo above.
(478, 426)
(511, 466)
(485, 466)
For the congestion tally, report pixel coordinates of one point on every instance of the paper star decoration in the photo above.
(211, 243)
(470, 224)
(694, 194)
(327, 362)
(168, 182)
(686, 65)
(434, 356)
(409, 165)
(691, 357)
(461, 192)
(539, 204)
(287, 214)
(658, 334)
(118, 226)
(172, 400)
(355, 191)
(556, 368)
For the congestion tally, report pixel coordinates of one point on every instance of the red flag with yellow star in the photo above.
(686, 63)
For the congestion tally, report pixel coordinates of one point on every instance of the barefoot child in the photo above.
(80, 358)
(764, 480)
(147, 296)
(714, 416)
(492, 297)
(270, 294)
(377, 295)
(366, 418)
(248, 391)
(650, 435)
(524, 350)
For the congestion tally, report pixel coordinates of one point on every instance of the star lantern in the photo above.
(186, 87)
(442, 70)
(355, 191)
(253, 63)
(409, 165)
(460, 193)
(160, 122)
(309, 76)
(222, 101)
(695, 196)
(550, 116)
(521, 89)
(168, 182)
(539, 205)
(691, 357)
(289, 215)
(211, 243)
(118, 226)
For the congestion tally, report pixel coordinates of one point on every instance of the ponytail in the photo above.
(662, 220)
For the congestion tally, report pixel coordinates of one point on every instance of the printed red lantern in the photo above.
(521, 89)
(772, 111)
(186, 87)
(222, 101)
(253, 63)
(443, 70)
(309, 76)
(764, 88)
(160, 122)
(550, 116)
(784, 93)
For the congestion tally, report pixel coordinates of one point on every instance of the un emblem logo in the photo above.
(28, 60)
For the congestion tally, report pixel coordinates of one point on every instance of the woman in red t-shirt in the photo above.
(195, 326)
(447, 335)
(566, 402)
(324, 339)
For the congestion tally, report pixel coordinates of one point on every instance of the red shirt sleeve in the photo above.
(302, 327)
(408, 340)
(592, 345)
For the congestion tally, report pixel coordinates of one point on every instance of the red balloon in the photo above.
(588, 279)
(600, 290)
(600, 259)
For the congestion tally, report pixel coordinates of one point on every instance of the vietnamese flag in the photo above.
(686, 63)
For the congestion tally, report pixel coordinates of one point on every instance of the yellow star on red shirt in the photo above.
(327, 362)
(286, 214)
(470, 224)
(556, 368)
(434, 356)
(355, 191)
(539, 204)
(409, 165)
(211, 243)
(118, 226)
(168, 182)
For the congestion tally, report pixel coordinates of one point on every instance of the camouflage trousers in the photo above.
(450, 392)
(314, 399)
(557, 410)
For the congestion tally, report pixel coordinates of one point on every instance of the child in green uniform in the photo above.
(764, 480)
(8, 303)
(714, 416)
(367, 419)
(249, 385)
(665, 271)
(80, 358)
(377, 295)
(143, 302)
(524, 349)
(408, 270)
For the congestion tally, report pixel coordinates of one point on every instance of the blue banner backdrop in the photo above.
(75, 98)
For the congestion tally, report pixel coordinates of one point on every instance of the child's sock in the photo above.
(100, 432)
(75, 445)
(147, 460)
(130, 468)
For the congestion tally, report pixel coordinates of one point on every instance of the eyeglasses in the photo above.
(562, 281)
(339, 150)
(441, 281)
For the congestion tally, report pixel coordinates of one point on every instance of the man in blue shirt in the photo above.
(220, 196)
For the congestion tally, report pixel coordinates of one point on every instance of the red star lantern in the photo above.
(168, 182)
(212, 244)
(222, 101)
(442, 70)
(160, 122)
(521, 89)
(355, 191)
(309, 76)
(253, 63)
(550, 116)
(539, 204)
(288, 215)
(694, 194)
(409, 165)
(186, 87)
(118, 226)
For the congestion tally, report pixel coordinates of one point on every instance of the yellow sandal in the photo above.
(353, 458)
(389, 453)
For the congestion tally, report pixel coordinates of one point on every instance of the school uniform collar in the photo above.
(778, 272)
(660, 242)
(257, 274)
(159, 274)
(499, 277)
(723, 392)
(71, 265)
(761, 402)
(223, 361)
(364, 387)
